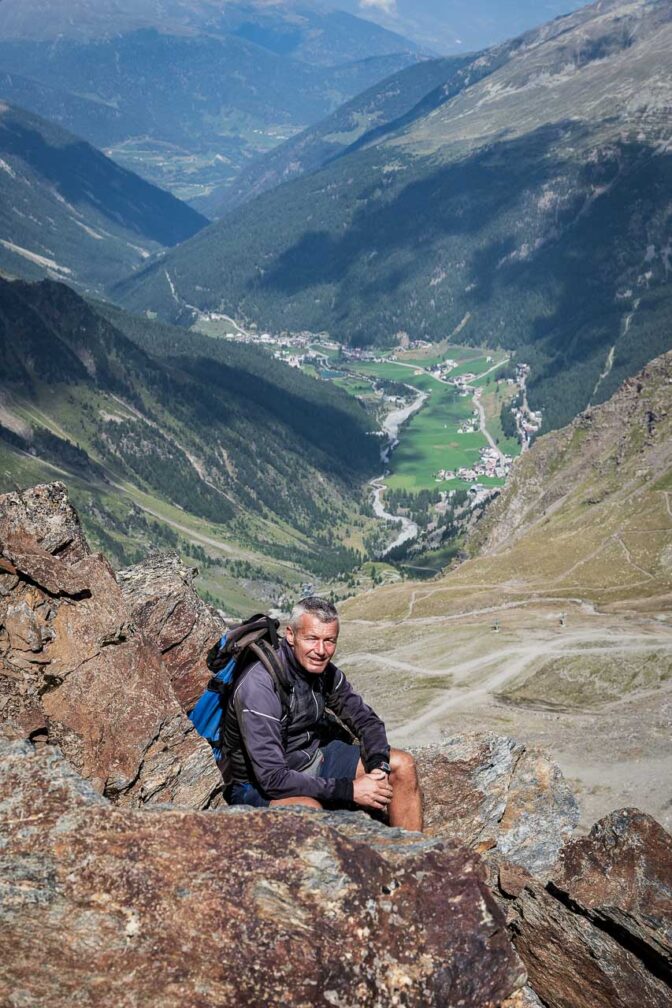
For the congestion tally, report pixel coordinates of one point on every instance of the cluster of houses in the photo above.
(357, 354)
(443, 369)
(528, 422)
(317, 358)
(491, 464)
(471, 425)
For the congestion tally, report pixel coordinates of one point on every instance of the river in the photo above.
(391, 427)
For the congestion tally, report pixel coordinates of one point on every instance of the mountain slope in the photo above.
(376, 107)
(219, 440)
(218, 83)
(68, 211)
(462, 25)
(312, 32)
(531, 209)
(558, 629)
(587, 513)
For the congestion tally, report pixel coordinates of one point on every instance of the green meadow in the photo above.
(430, 440)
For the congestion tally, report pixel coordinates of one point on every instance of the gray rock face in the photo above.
(76, 673)
(170, 908)
(620, 877)
(598, 934)
(162, 602)
(499, 797)
(46, 513)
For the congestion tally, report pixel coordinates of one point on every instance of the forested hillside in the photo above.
(67, 211)
(208, 437)
(373, 109)
(528, 209)
(186, 92)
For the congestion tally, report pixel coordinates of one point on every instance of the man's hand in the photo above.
(373, 790)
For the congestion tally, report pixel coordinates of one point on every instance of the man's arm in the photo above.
(361, 719)
(260, 717)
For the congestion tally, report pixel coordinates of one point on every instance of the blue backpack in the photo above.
(256, 639)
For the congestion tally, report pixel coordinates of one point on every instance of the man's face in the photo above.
(313, 643)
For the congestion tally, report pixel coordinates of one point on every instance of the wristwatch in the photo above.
(385, 767)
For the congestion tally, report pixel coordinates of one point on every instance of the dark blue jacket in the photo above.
(270, 748)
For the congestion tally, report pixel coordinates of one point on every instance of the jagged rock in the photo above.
(167, 908)
(598, 934)
(76, 673)
(620, 877)
(573, 964)
(163, 603)
(499, 797)
(45, 513)
(24, 556)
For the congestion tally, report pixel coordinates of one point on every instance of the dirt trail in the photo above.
(615, 752)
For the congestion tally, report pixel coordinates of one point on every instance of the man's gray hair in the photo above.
(325, 611)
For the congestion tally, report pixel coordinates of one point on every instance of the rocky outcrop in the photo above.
(598, 934)
(499, 797)
(620, 878)
(164, 605)
(240, 908)
(45, 513)
(76, 672)
(136, 904)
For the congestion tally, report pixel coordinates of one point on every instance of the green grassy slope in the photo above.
(531, 208)
(165, 438)
(68, 211)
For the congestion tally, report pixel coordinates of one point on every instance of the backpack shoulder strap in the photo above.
(272, 662)
(274, 665)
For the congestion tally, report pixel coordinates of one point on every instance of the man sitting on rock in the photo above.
(282, 759)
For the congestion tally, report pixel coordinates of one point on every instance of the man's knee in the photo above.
(298, 800)
(403, 767)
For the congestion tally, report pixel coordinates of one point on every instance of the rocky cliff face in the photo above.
(79, 674)
(598, 934)
(500, 797)
(144, 890)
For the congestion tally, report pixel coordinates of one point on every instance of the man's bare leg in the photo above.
(299, 800)
(406, 805)
(405, 809)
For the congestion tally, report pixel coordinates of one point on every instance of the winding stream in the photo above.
(391, 427)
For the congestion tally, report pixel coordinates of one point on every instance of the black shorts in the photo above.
(340, 760)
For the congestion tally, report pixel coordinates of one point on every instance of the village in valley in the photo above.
(453, 418)
(328, 360)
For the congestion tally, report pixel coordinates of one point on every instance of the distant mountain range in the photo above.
(69, 212)
(165, 435)
(525, 202)
(187, 92)
(454, 26)
(375, 108)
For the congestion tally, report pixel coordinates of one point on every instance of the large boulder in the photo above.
(77, 673)
(162, 603)
(45, 513)
(167, 908)
(597, 935)
(498, 796)
(620, 878)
